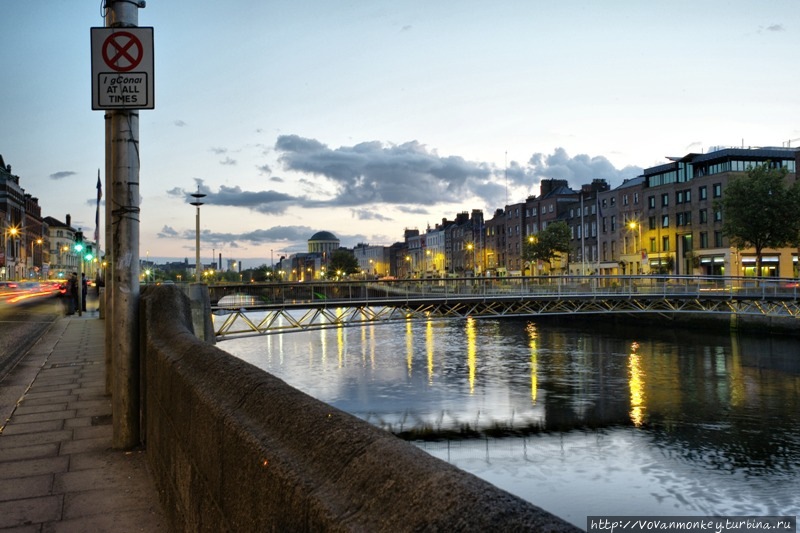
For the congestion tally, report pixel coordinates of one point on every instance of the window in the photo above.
(718, 239)
(613, 223)
(652, 222)
(687, 196)
(717, 216)
(680, 219)
(613, 201)
(703, 192)
(624, 199)
(636, 198)
(605, 223)
(651, 202)
(665, 244)
(717, 187)
(703, 239)
(665, 221)
(678, 197)
(703, 216)
(688, 218)
(664, 200)
(551, 208)
(653, 244)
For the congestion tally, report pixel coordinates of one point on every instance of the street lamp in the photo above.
(198, 196)
(633, 224)
(11, 232)
(33, 259)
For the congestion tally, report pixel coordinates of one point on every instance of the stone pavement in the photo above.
(58, 472)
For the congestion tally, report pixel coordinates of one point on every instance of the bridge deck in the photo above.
(272, 308)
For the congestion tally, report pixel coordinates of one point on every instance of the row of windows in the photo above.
(684, 196)
(686, 172)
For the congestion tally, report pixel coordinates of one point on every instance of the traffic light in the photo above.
(78, 241)
(88, 255)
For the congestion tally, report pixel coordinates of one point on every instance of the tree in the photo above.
(760, 210)
(549, 244)
(342, 261)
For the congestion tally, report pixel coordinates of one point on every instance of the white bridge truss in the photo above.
(364, 303)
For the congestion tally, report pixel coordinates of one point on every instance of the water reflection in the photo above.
(602, 418)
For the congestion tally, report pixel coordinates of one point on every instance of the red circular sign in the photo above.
(122, 51)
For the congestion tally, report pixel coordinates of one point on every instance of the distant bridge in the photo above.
(261, 309)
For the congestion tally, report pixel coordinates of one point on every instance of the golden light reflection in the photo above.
(340, 345)
(409, 346)
(636, 384)
(323, 345)
(530, 329)
(472, 360)
(364, 346)
(736, 376)
(371, 329)
(429, 346)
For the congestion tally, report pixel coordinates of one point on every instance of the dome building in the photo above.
(323, 242)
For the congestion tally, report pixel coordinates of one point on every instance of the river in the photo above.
(579, 418)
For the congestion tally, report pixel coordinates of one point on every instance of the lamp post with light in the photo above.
(33, 257)
(198, 196)
(11, 234)
(632, 225)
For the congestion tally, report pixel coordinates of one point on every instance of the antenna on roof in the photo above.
(506, 176)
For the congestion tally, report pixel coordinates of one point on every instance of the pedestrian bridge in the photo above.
(261, 309)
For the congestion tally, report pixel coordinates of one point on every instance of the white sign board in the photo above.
(122, 68)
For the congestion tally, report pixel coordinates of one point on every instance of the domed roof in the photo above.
(324, 236)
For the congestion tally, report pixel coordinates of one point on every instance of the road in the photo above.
(22, 325)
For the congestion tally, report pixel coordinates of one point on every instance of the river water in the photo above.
(581, 418)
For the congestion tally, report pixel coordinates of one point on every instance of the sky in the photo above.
(365, 118)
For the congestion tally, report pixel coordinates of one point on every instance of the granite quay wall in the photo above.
(234, 448)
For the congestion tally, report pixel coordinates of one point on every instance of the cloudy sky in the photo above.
(367, 117)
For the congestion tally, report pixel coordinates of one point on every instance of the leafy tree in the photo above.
(549, 244)
(761, 210)
(341, 261)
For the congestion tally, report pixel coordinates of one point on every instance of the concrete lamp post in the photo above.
(198, 196)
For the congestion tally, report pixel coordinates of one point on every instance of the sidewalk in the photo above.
(58, 472)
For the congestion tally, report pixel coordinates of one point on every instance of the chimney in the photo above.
(69, 220)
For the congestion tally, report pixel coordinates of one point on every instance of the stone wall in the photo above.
(233, 448)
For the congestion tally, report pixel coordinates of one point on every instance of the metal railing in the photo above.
(274, 307)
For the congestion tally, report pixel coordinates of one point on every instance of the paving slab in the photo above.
(58, 471)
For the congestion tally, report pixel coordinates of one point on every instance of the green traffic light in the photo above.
(88, 257)
(78, 247)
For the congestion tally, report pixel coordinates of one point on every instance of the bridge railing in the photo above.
(254, 295)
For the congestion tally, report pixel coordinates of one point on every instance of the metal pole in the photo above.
(108, 278)
(125, 222)
(198, 267)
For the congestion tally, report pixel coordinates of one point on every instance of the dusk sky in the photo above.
(365, 118)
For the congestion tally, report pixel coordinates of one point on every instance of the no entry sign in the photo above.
(122, 68)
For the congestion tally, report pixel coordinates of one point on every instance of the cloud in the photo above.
(376, 173)
(168, 233)
(578, 170)
(180, 123)
(775, 27)
(218, 151)
(368, 214)
(264, 169)
(228, 162)
(62, 175)
(411, 210)
(268, 202)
